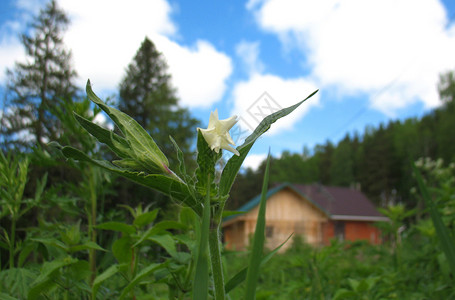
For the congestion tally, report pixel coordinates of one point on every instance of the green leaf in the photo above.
(46, 280)
(201, 277)
(111, 271)
(344, 294)
(139, 277)
(17, 281)
(164, 184)
(258, 241)
(167, 242)
(145, 218)
(159, 229)
(25, 253)
(446, 239)
(4, 296)
(115, 142)
(86, 246)
(144, 147)
(180, 158)
(117, 226)
(206, 160)
(235, 162)
(51, 242)
(122, 249)
(241, 276)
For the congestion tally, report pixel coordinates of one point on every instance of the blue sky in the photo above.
(372, 61)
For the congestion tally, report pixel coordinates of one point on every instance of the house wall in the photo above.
(356, 230)
(286, 213)
(353, 230)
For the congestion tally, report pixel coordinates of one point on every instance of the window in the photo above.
(269, 231)
(339, 230)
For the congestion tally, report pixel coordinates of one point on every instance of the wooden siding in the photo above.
(287, 213)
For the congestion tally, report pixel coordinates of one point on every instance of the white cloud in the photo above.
(263, 94)
(104, 36)
(10, 51)
(104, 44)
(253, 161)
(392, 50)
(249, 54)
(199, 72)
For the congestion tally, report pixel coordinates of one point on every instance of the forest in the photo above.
(378, 161)
(74, 225)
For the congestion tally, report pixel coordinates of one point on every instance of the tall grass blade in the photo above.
(258, 241)
(447, 241)
(201, 277)
(241, 275)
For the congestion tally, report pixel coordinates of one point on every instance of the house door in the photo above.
(339, 230)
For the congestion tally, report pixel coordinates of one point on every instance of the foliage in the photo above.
(147, 96)
(377, 162)
(141, 160)
(41, 82)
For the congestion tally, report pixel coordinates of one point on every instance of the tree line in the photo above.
(378, 162)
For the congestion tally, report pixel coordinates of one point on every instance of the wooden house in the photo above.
(315, 212)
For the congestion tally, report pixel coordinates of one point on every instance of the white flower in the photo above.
(217, 133)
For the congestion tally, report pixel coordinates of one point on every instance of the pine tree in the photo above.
(147, 96)
(41, 82)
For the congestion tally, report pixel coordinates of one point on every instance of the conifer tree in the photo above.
(39, 83)
(146, 94)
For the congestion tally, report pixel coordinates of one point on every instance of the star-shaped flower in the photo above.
(217, 133)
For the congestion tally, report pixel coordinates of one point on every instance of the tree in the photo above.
(39, 83)
(342, 167)
(147, 96)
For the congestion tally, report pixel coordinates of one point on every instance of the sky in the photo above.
(372, 61)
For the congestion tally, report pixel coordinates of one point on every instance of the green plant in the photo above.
(141, 160)
(13, 178)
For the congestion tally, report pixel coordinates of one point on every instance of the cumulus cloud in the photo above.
(199, 72)
(263, 94)
(253, 161)
(104, 36)
(249, 53)
(392, 51)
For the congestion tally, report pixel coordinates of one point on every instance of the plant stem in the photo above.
(215, 258)
(12, 241)
(92, 222)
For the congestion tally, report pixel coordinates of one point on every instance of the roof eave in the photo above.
(358, 218)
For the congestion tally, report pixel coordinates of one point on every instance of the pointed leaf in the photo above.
(143, 145)
(45, 280)
(111, 271)
(106, 137)
(4, 296)
(167, 242)
(164, 184)
(258, 241)
(446, 239)
(139, 277)
(241, 276)
(233, 165)
(145, 218)
(206, 160)
(117, 226)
